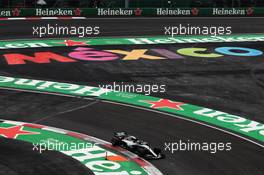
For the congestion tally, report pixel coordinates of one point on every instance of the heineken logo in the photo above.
(173, 12)
(16, 12)
(14, 131)
(131, 12)
(49, 86)
(116, 12)
(195, 11)
(233, 11)
(56, 12)
(125, 41)
(227, 12)
(224, 120)
(97, 161)
(77, 12)
(138, 12)
(241, 124)
(6, 13)
(250, 11)
(165, 103)
(97, 157)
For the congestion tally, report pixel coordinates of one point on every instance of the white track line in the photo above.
(146, 109)
(188, 119)
(111, 37)
(46, 93)
(150, 168)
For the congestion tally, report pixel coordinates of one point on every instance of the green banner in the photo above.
(237, 124)
(16, 44)
(130, 12)
(92, 155)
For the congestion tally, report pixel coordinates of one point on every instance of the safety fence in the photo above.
(129, 3)
(92, 3)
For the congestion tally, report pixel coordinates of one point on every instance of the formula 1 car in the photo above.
(139, 147)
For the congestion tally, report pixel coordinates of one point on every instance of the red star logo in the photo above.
(250, 11)
(14, 131)
(77, 12)
(138, 12)
(164, 103)
(195, 11)
(16, 12)
(74, 43)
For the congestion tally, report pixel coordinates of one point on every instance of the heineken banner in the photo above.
(243, 126)
(117, 12)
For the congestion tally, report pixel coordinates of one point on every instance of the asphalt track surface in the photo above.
(18, 158)
(230, 85)
(130, 26)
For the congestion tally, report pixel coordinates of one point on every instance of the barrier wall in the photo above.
(116, 12)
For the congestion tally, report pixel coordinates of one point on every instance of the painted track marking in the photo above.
(155, 111)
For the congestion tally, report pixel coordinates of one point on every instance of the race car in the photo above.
(139, 147)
